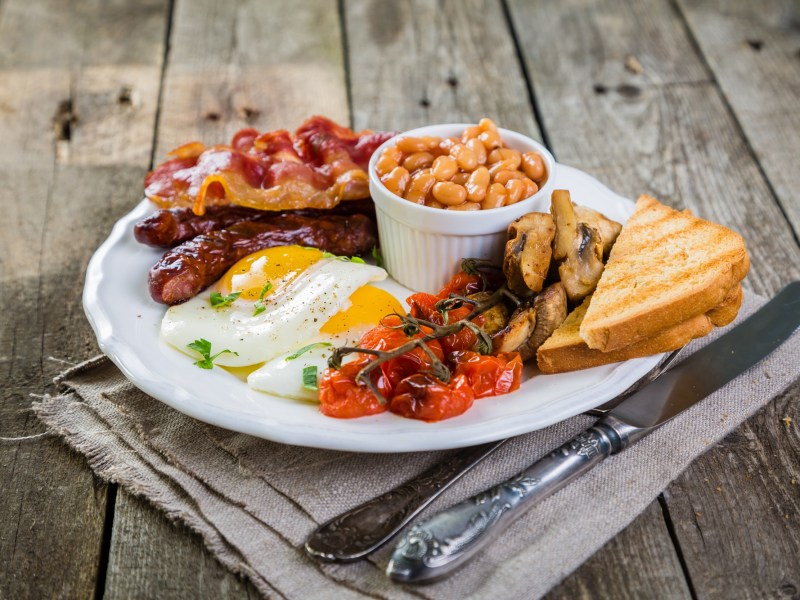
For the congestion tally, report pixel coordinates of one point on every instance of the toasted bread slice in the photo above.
(727, 311)
(565, 350)
(665, 268)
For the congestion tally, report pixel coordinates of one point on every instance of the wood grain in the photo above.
(78, 106)
(433, 44)
(753, 50)
(163, 560)
(666, 131)
(263, 64)
(643, 548)
(71, 154)
(416, 63)
(737, 510)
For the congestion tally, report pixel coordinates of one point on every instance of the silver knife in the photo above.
(441, 544)
(360, 531)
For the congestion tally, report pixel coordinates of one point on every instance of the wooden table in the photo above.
(696, 102)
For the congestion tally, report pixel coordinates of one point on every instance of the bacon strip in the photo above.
(322, 165)
(186, 270)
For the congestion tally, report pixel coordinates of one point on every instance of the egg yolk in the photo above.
(276, 266)
(368, 305)
(280, 265)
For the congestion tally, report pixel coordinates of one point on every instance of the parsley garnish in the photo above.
(326, 254)
(305, 349)
(259, 305)
(203, 347)
(357, 259)
(310, 378)
(220, 301)
(376, 254)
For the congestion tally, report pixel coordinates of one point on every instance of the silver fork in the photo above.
(361, 530)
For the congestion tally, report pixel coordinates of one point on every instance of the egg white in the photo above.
(283, 375)
(294, 314)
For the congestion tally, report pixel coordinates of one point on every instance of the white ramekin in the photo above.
(422, 247)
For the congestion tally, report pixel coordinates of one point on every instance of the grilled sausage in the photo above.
(167, 228)
(189, 268)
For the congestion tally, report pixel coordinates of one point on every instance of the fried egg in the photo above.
(286, 298)
(283, 376)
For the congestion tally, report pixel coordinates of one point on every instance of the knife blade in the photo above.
(436, 547)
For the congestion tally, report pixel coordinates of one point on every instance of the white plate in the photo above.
(126, 322)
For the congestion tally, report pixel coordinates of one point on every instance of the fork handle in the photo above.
(441, 544)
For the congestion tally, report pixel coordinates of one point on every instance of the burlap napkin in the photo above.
(254, 502)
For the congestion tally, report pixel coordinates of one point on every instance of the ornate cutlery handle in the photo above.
(437, 546)
(363, 529)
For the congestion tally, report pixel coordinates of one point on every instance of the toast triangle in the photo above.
(565, 350)
(666, 267)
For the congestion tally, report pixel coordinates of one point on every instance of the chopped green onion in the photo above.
(305, 349)
(260, 306)
(219, 301)
(310, 377)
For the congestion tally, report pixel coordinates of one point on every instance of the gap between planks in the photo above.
(690, 34)
(546, 140)
(111, 498)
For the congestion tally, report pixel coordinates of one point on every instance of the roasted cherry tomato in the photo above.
(489, 375)
(394, 370)
(407, 384)
(424, 397)
(423, 306)
(461, 284)
(342, 397)
(384, 338)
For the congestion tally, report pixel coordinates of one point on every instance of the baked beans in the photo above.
(474, 171)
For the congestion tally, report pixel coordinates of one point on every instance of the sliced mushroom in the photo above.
(577, 248)
(516, 333)
(528, 252)
(495, 318)
(531, 325)
(551, 310)
(607, 228)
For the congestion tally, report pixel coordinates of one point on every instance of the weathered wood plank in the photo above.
(737, 511)
(643, 547)
(53, 34)
(61, 192)
(268, 64)
(752, 49)
(666, 130)
(461, 60)
(263, 64)
(417, 63)
(163, 560)
(662, 131)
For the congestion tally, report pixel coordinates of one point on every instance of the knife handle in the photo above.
(441, 544)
